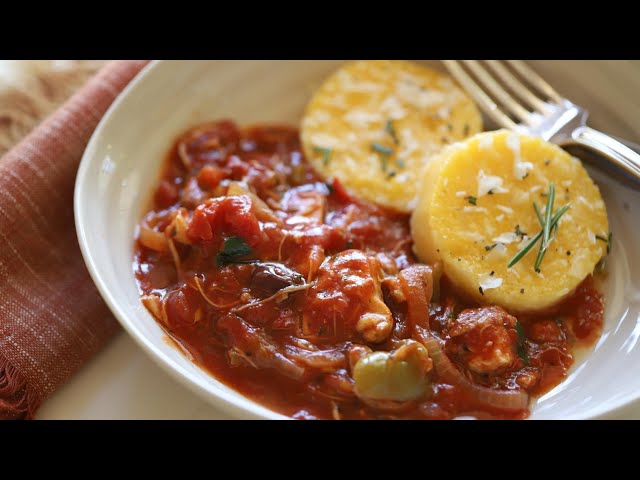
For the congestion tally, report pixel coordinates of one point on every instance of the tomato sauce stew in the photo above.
(311, 302)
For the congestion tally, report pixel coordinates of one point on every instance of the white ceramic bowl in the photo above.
(120, 168)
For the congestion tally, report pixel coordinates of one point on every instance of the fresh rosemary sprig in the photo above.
(516, 258)
(546, 227)
(554, 221)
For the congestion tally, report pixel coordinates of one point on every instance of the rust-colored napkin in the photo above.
(52, 319)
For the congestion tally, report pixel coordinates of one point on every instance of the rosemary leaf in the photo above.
(548, 214)
(390, 129)
(384, 153)
(538, 214)
(376, 147)
(326, 154)
(546, 227)
(516, 258)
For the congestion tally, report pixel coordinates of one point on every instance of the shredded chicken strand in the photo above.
(208, 300)
(275, 296)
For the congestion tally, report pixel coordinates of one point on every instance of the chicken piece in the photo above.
(485, 339)
(346, 300)
(394, 289)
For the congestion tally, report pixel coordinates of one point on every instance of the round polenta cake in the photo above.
(375, 124)
(475, 213)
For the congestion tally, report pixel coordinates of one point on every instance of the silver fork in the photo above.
(549, 115)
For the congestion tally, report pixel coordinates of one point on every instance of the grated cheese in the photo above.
(488, 282)
(490, 183)
(506, 238)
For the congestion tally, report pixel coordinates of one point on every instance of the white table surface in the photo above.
(122, 382)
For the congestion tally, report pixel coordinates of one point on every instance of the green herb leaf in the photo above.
(522, 352)
(548, 214)
(384, 153)
(326, 154)
(516, 258)
(472, 200)
(376, 147)
(538, 214)
(390, 129)
(400, 163)
(607, 240)
(233, 250)
(546, 227)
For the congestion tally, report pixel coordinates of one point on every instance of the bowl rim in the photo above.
(230, 403)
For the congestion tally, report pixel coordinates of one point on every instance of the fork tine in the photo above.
(536, 80)
(488, 105)
(496, 89)
(517, 86)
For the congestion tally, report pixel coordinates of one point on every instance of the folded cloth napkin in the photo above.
(52, 319)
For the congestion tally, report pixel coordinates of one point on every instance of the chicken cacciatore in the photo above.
(311, 302)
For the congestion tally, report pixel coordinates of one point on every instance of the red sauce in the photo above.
(277, 282)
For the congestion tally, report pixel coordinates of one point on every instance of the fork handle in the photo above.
(633, 146)
(623, 157)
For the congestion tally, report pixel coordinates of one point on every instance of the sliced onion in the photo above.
(155, 305)
(152, 239)
(500, 399)
(261, 210)
(325, 360)
(417, 286)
